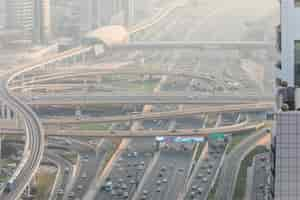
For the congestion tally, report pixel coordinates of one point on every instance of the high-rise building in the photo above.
(2, 14)
(31, 17)
(289, 37)
(285, 147)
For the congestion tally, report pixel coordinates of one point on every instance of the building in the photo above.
(31, 17)
(289, 37)
(285, 148)
(2, 14)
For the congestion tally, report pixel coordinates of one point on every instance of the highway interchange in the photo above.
(141, 170)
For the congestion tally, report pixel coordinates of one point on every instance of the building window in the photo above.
(297, 2)
(297, 63)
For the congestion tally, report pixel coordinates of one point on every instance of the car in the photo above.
(261, 186)
(164, 180)
(204, 180)
(85, 158)
(67, 169)
(180, 169)
(140, 167)
(113, 193)
(145, 192)
(135, 154)
(208, 171)
(120, 180)
(60, 191)
(79, 187)
(71, 195)
(124, 186)
(158, 189)
(160, 174)
(194, 187)
(108, 186)
(142, 163)
(120, 193)
(125, 195)
(192, 195)
(158, 182)
(263, 158)
(129, 175)
(199, 176)
(84, 175)
(200, 190)
(195, 131)
(132, 181)
(144, 197)
(164, 168)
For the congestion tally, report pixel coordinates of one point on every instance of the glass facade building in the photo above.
(285, 148)
(287, 156)
(297, 63)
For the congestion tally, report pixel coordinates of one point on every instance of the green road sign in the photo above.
(216, 136)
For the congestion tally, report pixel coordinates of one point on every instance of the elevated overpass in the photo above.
(201, 45)
(182, 98)
(203, 132)
(95, 73)
(161, 115)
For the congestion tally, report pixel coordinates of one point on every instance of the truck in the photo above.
(10, 186)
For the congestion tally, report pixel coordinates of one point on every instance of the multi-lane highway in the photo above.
(229, 172)
(203, 132)
(161, 115)
(128, 170)
(168, 176)
(206, 172)
(177, 98)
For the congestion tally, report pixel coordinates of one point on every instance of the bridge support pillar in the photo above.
(74, 59)
(205, 121)
(1, 137)
(18, 121)
(85, 86)
(238, 119)
(130, 11)
(83, 58)
(78, 112)
(9, 114)
(3, 110)
(219, 120)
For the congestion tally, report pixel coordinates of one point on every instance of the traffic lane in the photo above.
(125, 176)
(66, 174)
(89, 165)
(160, 124)
(260, 176)
(129, 169)
(168, 176)
(89, 162)
(201, 183)
(189, 122)
(67, 169)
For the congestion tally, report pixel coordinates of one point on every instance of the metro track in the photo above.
(34, 145)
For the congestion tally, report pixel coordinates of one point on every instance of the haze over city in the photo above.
(148, 99)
